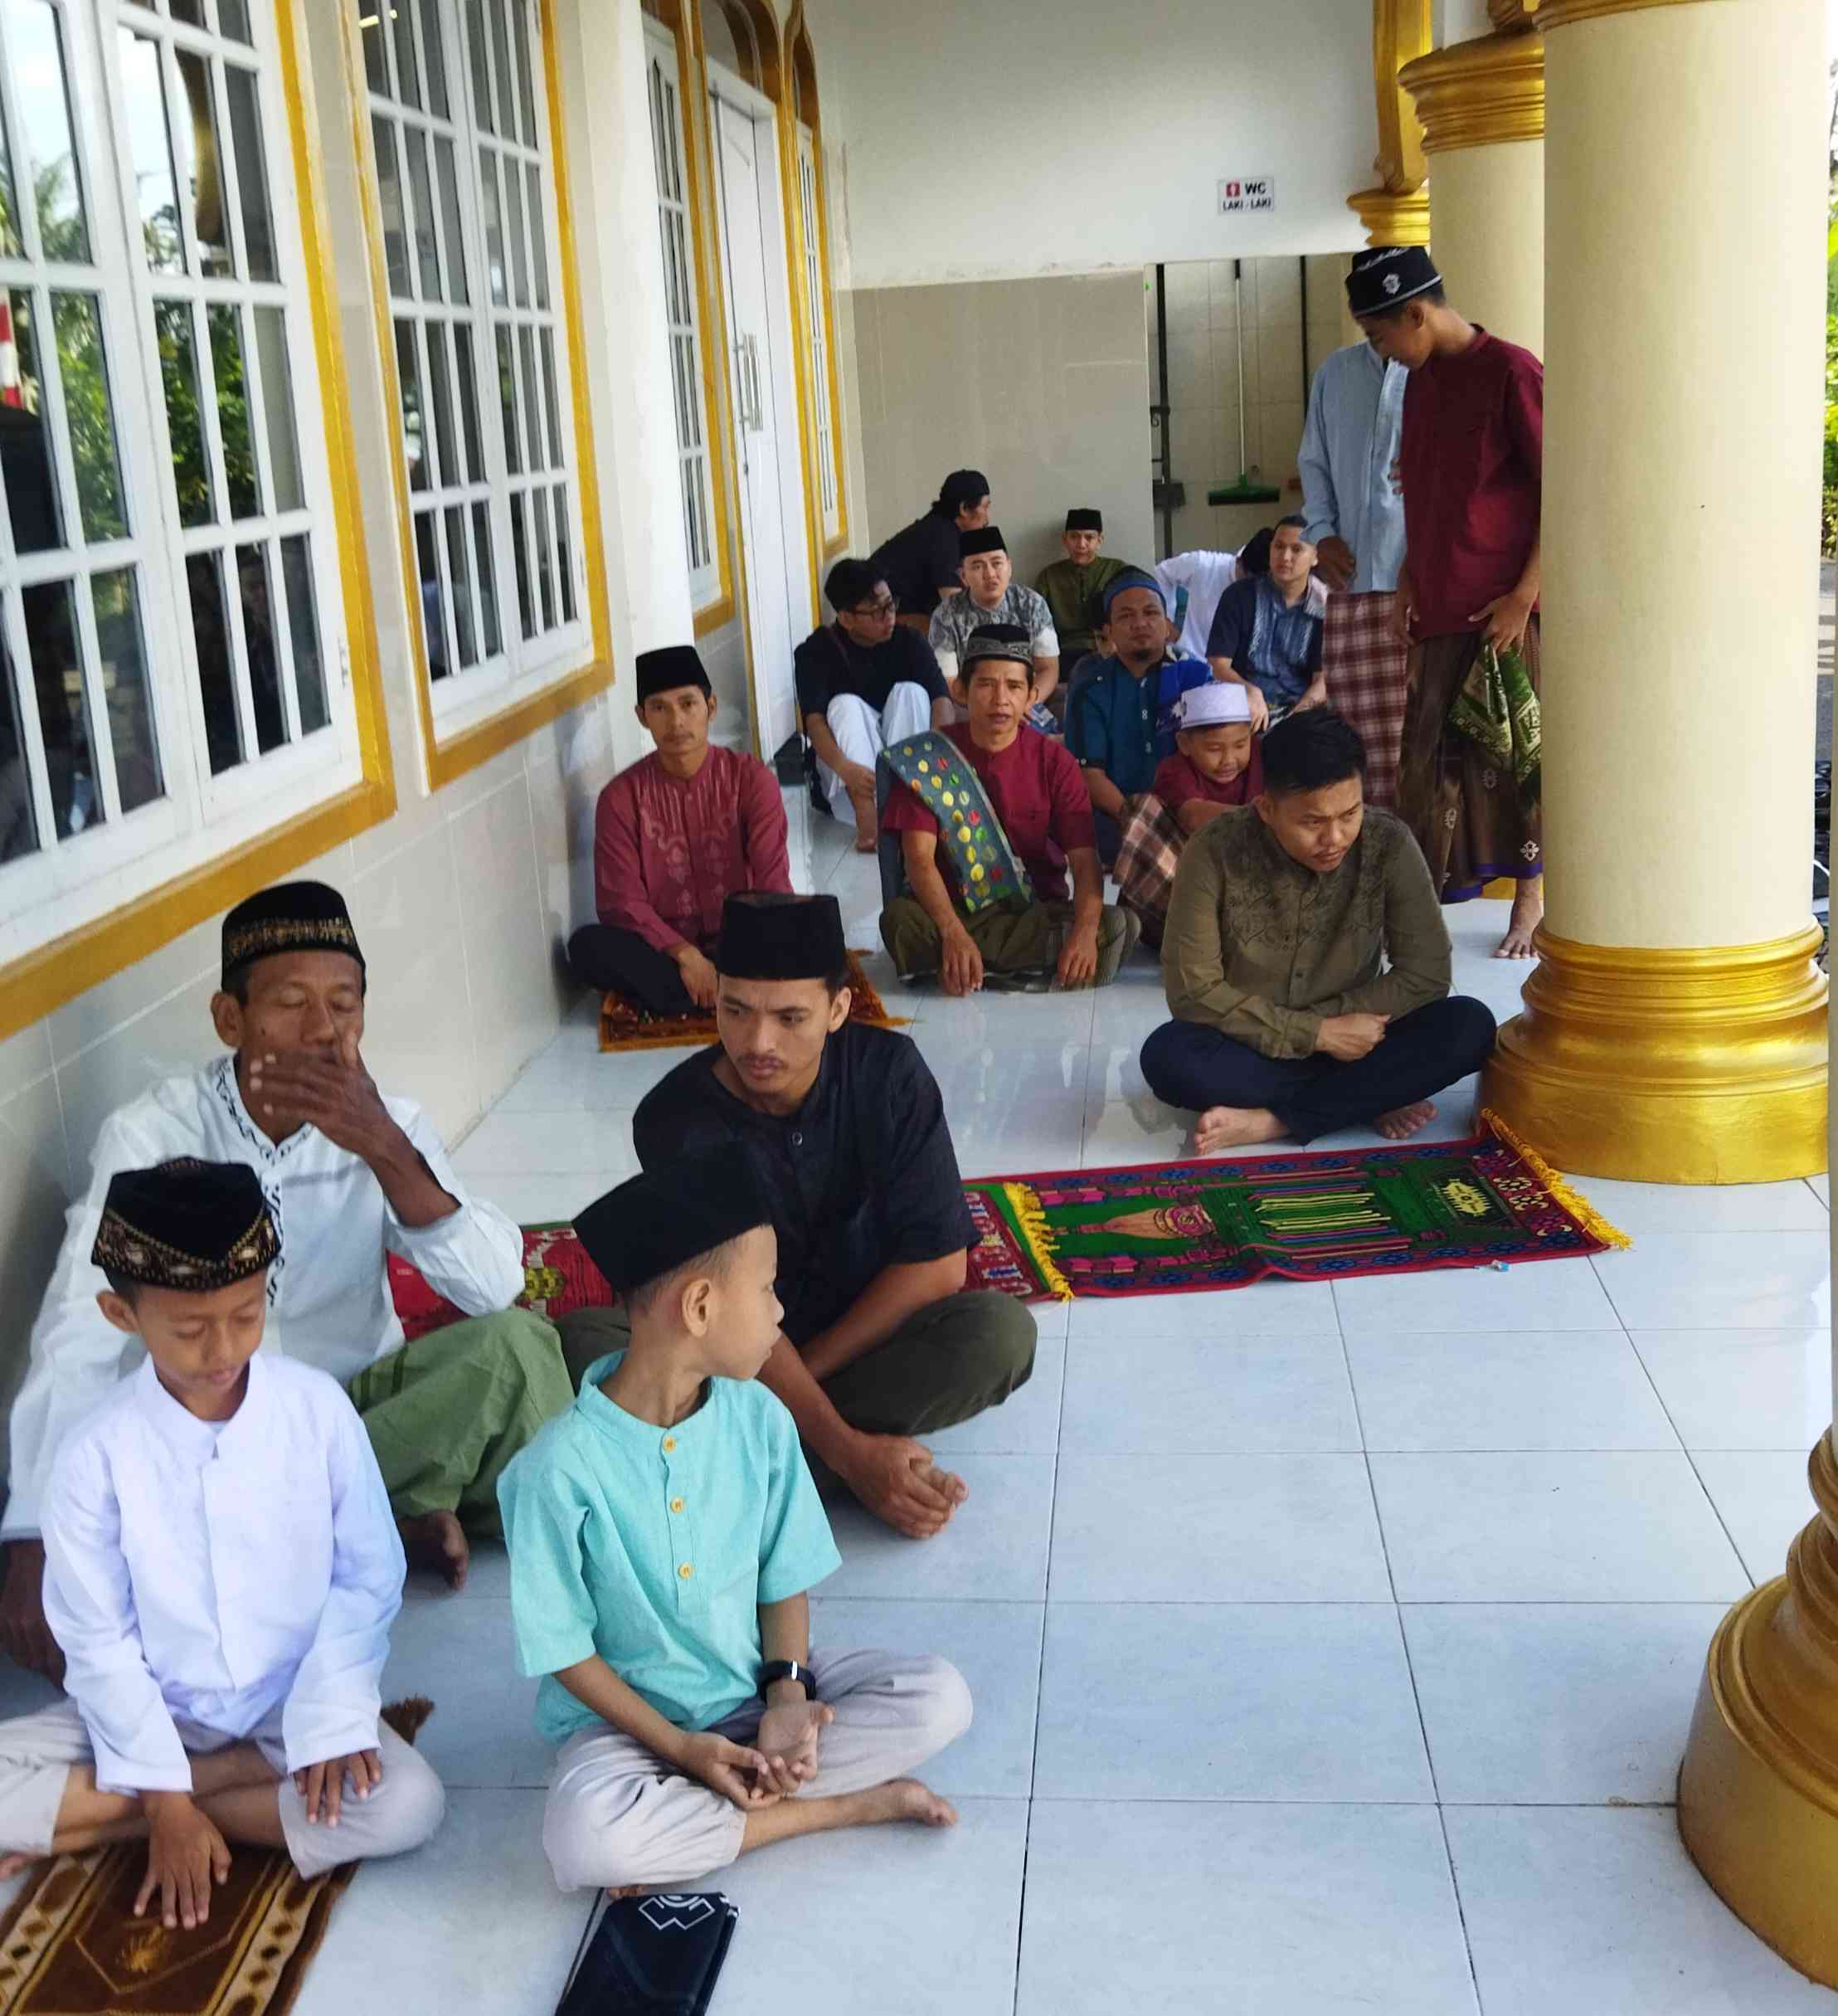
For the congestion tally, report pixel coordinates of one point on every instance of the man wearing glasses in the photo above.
(863, 681)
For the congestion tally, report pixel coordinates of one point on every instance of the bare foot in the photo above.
(1234, 1126)
(1528, 914)
(1402, 1121)
(436, 1540)
(624, 1890)
(905, 1799)
(866, 837)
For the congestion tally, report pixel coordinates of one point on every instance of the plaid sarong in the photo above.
(1147, 857)
(1364, 664)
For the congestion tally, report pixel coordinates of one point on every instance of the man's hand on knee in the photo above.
(24, 1634)
(896, 1478)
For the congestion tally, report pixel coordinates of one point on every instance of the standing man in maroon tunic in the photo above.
(1472, 465)
(675, 835)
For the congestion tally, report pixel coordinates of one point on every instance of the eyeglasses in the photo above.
(885, 605)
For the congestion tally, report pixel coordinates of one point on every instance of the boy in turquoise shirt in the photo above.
(663, 1533)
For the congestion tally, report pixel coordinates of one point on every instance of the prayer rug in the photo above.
(557, 1277)
(71, 1945)
(1178, 1228)
(624, 1025)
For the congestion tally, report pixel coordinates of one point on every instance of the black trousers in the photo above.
(610, 958)
(1187, 1064)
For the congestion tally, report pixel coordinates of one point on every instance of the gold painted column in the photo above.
(1674, 1030)
(1482, 104)
(1397, 212)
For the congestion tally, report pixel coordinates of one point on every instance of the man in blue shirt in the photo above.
(1266, 631)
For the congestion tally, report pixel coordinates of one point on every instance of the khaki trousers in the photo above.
(1015, 943)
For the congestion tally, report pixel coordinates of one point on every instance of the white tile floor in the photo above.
(1333, 1647)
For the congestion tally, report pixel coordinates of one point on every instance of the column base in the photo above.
(1698, 1065)
(1759, 1788)
(1392, 217)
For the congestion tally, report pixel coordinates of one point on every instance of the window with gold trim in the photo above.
(458, 108)
(173, 676)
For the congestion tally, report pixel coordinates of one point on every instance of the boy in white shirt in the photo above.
(222, 1568)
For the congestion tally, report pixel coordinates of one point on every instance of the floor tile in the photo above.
(1575, 1908)
(1193, 1394)
(596, 1143)
(537, 1199)
(1762, 1497)
(1505, 1390)
(1240, 1910)
(1026, 1423)
(1303, 1701)
(1570, 1527)
(1539, 1295)
(1640, 1208)
(1742, 1389)
(901, 1921)
(564, 1081)
(994, 1551)
(1721, 1281)
(462, 1656)
(1820, 1187)
(1161, 1528)
(995, 1646)
(487, 1580)
(1266, 1308)
(1557, 1704)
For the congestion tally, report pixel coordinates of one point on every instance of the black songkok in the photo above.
(998, 641)
(291, 917)
(1084, 518)
(1386, 276)
(985, 539)
(765, 936)
(186, 1225)
(650, 1225)
(663, 671)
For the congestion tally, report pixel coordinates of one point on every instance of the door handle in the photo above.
(752, 404)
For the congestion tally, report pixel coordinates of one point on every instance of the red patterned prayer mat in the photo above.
(557, 1277)
(624, 1025)
(1176, 1228)
(71, 1945)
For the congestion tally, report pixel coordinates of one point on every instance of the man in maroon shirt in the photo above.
(1037, 792)
(1472, 467)
(675, 835)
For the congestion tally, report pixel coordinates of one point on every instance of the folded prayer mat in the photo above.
(653, 1957)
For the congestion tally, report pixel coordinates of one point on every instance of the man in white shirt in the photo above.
(1192, 584)
(350, 1177)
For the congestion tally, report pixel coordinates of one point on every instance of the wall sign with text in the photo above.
(1245, 192)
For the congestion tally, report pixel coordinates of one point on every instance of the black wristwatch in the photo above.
(775, 1670)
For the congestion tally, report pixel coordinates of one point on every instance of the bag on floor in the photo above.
(653, 1957)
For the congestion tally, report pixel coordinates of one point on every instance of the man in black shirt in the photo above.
(920, 562)
(863, 682)
(881, 1342)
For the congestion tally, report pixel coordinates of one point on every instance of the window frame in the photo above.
(825, 444)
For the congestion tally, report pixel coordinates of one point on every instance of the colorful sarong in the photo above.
(1364, 664)
(988, 869)
(1497, 709)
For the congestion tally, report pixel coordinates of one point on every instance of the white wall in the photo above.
(994, 141)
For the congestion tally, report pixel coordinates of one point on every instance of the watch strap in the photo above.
(775, 1670)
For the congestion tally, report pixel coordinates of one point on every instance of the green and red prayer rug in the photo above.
(1179, 1228)
(625, 1025)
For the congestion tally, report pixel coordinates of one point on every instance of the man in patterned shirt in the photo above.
(992, 594)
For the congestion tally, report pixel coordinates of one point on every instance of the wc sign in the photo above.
(1246, 193)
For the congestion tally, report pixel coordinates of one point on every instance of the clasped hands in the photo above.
(779, 1762)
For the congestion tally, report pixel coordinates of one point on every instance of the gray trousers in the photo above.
(38, 1752)
(617, 1814)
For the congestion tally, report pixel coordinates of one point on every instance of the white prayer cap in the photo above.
(1216, 704)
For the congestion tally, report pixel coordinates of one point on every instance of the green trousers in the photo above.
(446, 1413)
(947, 1362)
(1016, 944)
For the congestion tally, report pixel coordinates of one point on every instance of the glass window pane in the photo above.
(461, 574)
(494, 225)
(216, 683)
(467, 374)
(481, 74)
(520, 37)
(18, 813)
(233, 20)
(191, 12)
(389, 198)
(26, 452)
(63, 708)
(408, 369)
(433, 607)
(240, 476)
(507, 401)
(446, 469)
(150, 140)
(258, 227)
(514, 217)
(427, 243)
(446, 167)
(370, 21)
(549, 403)
(434, 54)
(493, 637)
(303, 627)
(124, 683)
(526, 602)
(89, 415)
(203, 164)
(533, 434)
(11, 245)
(564, 561)
(539, 247)
(545, 574)
(501, 67)
(258, 637)
(408, 78)
(179, 372)
(35, 49)
(277, 402)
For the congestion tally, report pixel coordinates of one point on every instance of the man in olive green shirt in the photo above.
(1306, 962)
(1071, 585)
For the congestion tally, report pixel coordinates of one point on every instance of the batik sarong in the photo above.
(987, 868)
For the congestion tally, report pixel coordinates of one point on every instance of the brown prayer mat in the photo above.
(71, 1945)
(624, 1025)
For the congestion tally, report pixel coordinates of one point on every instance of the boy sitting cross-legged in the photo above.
(222, 1568)
(663, 1534)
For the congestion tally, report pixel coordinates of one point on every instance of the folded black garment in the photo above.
(653, 1957)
